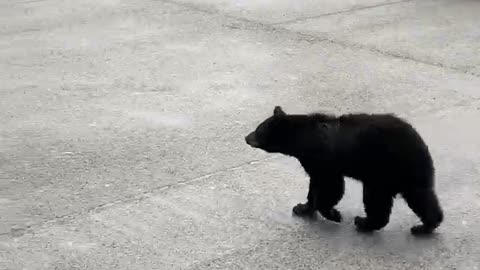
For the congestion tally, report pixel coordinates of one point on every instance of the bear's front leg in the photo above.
(307, 209)
(304, 210)
(323, 195)
(328, 196)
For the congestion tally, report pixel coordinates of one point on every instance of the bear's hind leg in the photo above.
(425, 205)
(378, 206)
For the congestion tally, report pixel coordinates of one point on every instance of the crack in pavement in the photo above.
(278, 28)
(136, 197)
(302, 19)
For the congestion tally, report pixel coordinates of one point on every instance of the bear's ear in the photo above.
(278, 111)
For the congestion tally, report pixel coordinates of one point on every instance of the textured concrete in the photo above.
(443, 33)
(280, 11)
(122, 125)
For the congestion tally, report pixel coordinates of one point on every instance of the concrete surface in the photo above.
(122, 125)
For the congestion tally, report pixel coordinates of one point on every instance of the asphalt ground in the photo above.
(122, 129)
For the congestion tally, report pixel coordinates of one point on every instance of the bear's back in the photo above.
(379, 146)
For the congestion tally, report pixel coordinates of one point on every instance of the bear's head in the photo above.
(273, 135)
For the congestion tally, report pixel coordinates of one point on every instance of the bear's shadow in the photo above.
(347, 241)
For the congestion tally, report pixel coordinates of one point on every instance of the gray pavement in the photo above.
(122, 126)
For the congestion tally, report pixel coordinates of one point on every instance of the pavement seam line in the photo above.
(140, 196)
(398, 56)
(28, 2)
(306, 18)
(277, 28)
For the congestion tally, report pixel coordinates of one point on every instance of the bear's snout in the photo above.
(251, 140)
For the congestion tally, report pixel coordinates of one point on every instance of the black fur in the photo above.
(382, 151)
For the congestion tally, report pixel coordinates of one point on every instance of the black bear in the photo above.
(382, 151)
